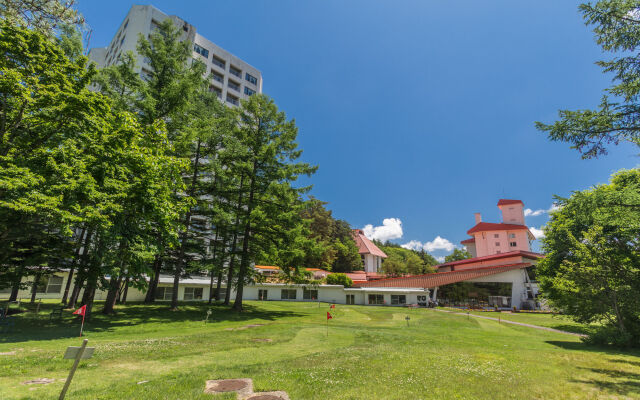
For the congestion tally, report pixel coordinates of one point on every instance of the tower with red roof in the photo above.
(488, 238)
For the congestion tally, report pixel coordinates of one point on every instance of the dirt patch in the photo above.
(243, 387)
(278, 395)
(244, 327)
(8, 353)
(262, 340)
(41, 381)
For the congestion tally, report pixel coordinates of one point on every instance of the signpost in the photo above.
(77, 353)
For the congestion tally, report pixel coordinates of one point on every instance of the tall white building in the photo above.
(232, 78)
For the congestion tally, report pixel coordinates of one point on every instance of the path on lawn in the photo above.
(544, 328)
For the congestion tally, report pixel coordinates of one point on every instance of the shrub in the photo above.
(339, 279)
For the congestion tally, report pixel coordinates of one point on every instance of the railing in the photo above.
(236, 72)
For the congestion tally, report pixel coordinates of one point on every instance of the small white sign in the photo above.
(72, 352)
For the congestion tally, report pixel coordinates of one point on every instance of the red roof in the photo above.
(525, 254)
(490, 226)
(366, 246)
(504, 202)
(442, 278)
(472, 240)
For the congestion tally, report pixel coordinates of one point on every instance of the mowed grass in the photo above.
(370, 353)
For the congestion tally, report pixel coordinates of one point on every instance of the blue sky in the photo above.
(420, 111)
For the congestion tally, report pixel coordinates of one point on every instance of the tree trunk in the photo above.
(15, 288)
(227, 295)
(82, 272)
(187, 222)
(112, 294)
(219, 284)
(213, 263)
(153, 283)
(34, 286)
(126, 290)
(73, 266)
(244, 260)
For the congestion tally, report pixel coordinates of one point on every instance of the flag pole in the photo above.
(82, 325)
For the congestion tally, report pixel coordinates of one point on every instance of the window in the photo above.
(251, 78)
(248, 91)
(496, 235)
(55, 284)
(376, 299)
(215, 89)
(232, 100)
(223, 293)
(201, 50)
(497, 243)
(164, 293)
(262, 294)
(185, 28)
(513, 244)
(233, 85)
(309, 294)
(125, 24)
(512, 235)
(398, 299)
(193, 293)
(145, 75)
(218, 61)
(351, 299)
(288, 294)
(154, 25)
(217, 77)
(235, 71)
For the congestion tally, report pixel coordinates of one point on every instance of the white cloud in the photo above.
(531, 213)
(440, 259)
(391, 228)
(439, 243)
(537, 233)
(413, 245)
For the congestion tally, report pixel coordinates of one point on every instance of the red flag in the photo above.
(328, 316)
(81, 311)
(333, 306)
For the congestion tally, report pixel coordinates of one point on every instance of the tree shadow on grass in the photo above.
(28, 327)
(582, 346)
(614, 381)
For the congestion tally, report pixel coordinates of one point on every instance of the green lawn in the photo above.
(370, 353)
(554, 321)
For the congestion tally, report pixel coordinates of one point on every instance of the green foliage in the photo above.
(457, 255)
(45, 16)
(403, 261)
(617, 30)
(592, 266)
(339, 279)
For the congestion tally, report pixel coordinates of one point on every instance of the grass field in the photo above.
(370, 353)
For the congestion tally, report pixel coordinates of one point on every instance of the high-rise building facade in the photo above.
(231, 78)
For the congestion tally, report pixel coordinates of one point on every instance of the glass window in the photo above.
(192, 293)
(496, 235)
(262, 294)
(248, 91)
(122, 41)
(497, 243)
(251, 78)
(55, 284)
(351, 299)
(164, 293)
(398, 299)
(288, 294)
(376, 299)
(201, 50)
(309, 294)
(513, 244)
